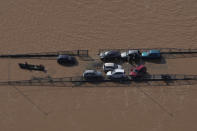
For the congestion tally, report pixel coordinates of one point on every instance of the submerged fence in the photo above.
(165, 52)
(78, 81)
(162, 50)
(81, 53)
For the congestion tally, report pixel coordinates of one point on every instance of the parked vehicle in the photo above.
(151, 54)
(31, 67)
(110, 67)
(66, 60)
(138, 71)
(110, 55)
(92, 75)
(130, 55)
(166, 77)
(117, 74)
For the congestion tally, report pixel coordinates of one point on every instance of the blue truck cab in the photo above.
(151, 54)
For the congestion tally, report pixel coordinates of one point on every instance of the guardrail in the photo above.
(165, 52)
(162, 50)
(81, 53)
(167, 79)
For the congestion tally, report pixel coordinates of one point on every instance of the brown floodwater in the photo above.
(54, 25)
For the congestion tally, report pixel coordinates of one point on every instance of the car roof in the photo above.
(154, 51)
(119, 70)
(63, 56)
(109, 64)
(89, 71)
(133, 51)
(113, 51)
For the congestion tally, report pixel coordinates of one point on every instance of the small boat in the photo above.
(31, 67)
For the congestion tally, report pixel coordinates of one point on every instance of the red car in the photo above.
(138, 71)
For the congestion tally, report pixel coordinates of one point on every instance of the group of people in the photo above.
(133, 58)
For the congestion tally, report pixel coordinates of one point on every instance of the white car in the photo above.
(118, 74)
(111, 66)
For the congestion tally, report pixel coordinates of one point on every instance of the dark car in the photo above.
(138, 71)
(151, 54)
(110, 55)
(166, 77)
(92, 75)
(66, 60)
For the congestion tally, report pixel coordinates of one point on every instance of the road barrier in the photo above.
(77, 81)
(45, 55)
(165, 52)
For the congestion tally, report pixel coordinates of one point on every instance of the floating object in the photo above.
(31, 67)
